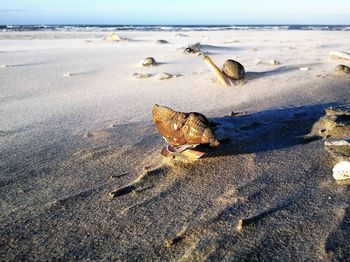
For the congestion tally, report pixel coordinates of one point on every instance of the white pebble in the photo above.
(66, 75)
(3, 66)
(341, 170)
(274, 62)
(304, 69)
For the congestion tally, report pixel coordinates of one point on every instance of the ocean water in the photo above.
(169, 28)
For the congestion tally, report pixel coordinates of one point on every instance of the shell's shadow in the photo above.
(264, 131)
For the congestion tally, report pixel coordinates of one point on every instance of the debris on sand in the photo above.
(149, 61)
(341, 171)
(178, 237)
(216, 71)
(193, 49)
(342, 70)
(335, 123)
(274, 62)
(338, 149)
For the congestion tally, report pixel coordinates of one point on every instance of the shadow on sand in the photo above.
(335, 242)
(264, 131)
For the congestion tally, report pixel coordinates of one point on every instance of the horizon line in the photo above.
(202, 24)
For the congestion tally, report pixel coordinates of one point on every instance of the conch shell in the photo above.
(179, 128)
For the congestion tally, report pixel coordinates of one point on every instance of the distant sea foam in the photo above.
(168, 28)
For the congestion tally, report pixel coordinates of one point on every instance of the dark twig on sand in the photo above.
(119, 175)
(178, 237)
(249, 220)
(123, 191)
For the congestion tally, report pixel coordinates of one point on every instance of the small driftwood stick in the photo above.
(123, 191)
(216, 71)
(119, 175)
(178, 237)
(246, 221)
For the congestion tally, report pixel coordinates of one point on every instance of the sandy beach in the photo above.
(75, 124)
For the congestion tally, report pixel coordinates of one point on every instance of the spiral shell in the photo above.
(179, 128)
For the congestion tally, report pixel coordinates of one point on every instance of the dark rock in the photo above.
(193, 49)
(233, 69)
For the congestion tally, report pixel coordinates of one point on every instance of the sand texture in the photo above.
(75, 126)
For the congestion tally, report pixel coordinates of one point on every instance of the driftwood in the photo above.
(216, 71)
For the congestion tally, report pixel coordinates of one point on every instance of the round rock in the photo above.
(342, 70)
(233, 69)
(149, 61)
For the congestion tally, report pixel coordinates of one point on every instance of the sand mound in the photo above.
(113, 37)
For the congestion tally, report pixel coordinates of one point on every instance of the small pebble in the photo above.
(67, 75)
(3, 66)
(257, 61)
(149, 61)
(304, 69)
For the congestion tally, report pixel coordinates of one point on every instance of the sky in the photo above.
(175, 12)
